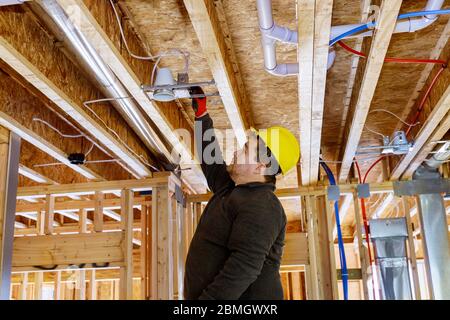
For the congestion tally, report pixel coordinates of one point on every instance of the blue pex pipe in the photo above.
(342, 259)
(402, 16)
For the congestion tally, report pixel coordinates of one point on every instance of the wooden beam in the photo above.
(9, 166)
(92, 293)
(50, 74)
(378, 212)
(363, 256)
(24, 287)
(143, 253)
(98, 211)
(49, 214)
(295, 252)
(38, 280)
(90, 187)
(68, 249)
(75, 205)
(162, 209)
(204, 18)
(305, 53)
(97, 23)
(385, 25)
(322, 29)
(126, 272)
(69, 228)
(56, 285)
(358, 42)
(345, 189)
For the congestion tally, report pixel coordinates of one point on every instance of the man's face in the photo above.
(244, 161)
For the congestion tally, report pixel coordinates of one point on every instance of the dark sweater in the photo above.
(236, 249)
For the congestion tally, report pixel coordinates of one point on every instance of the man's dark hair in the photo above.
(262, 149)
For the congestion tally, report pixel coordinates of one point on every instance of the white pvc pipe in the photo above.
(271, 33)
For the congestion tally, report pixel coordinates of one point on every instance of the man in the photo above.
(236, 249)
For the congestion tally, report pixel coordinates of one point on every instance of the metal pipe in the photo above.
(434, 231)
(433, 221)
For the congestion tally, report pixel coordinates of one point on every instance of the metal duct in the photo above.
(389, 241)
(434, 231)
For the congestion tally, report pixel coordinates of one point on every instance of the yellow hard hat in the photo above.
(283, 145)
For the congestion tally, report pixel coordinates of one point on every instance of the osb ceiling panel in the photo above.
(165, 25)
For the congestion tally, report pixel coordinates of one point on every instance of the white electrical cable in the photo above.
(373, 131)
(89, 151)
(100, 147)
(140, 156)
(57, 131)
(72, 136)
(393, 114)
(185, 54)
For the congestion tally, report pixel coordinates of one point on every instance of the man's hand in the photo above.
(198, 104)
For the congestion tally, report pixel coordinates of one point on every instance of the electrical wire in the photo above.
(140, 156)
(157, 57)
(373, 131)
(393, 114)
(86, 162)
(342, 259)
(392, 59)
(373, 24)
(425, 96)
(99, 146)
(58, 131)
(89, 151)
(72, 136)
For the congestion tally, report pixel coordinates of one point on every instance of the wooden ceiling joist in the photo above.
(322, 29)
(96, 21)
(19, 38)
(314, 26)
(204, 18)
(305, 53)
(386, 22)
(34, 175)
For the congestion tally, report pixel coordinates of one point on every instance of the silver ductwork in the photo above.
(389, 242)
